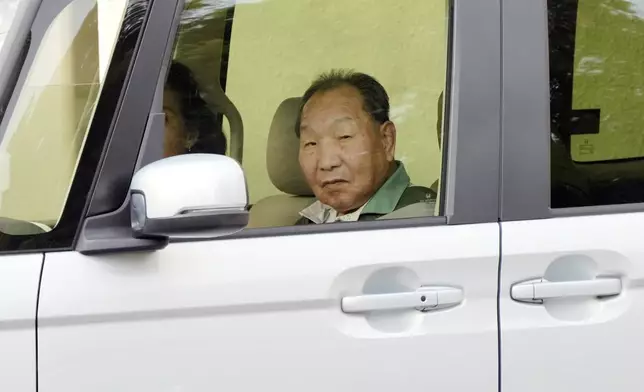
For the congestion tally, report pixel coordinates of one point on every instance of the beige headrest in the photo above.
(282, 151)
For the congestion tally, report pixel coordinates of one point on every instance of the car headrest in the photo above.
(282, 151)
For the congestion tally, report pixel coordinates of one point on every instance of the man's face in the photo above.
(344, 154)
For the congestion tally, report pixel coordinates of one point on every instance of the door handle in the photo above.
(424, 299)
(535, 291)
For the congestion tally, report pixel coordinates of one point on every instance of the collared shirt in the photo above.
(383, 202)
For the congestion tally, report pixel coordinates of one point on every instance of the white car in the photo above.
(125, 269)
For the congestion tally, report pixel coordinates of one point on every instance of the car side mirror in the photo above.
(193, 196)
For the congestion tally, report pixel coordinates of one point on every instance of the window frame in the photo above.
(526, 172)
(107, 227)
(472, 123)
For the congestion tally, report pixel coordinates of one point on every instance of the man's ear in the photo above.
(388, 134)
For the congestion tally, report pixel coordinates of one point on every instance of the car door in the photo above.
(263, 308)
(571, 273)
(19, 279)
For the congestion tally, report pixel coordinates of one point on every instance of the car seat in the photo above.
(284, 171)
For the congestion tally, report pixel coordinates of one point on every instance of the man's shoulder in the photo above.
(415, 194)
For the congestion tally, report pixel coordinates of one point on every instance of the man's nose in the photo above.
(329, 156)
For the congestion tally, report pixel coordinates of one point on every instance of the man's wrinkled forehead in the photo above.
(339, 105)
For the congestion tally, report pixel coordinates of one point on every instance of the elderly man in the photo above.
(347, 146)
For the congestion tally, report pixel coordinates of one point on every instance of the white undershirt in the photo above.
(332, 215)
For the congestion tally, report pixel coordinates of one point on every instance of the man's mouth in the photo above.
(333, 182)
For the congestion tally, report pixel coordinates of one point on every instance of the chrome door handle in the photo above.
(535, 291)
(424, 299)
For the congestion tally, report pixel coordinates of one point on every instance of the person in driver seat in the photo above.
(346, 153)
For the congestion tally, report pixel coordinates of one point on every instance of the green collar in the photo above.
(382, 202)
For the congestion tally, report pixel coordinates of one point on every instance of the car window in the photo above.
(239, 71)
(597, 92)
(55, 127)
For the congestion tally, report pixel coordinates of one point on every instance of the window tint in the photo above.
(239, 72)
(55, 128)
(597, 95)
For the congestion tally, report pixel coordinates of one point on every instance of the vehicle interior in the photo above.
(250, 77)
(256, 76)
(597, 95)
(597, 145)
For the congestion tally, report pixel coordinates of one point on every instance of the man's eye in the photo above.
(310, 144)
(345, 137)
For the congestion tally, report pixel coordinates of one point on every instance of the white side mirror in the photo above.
(189, 196)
